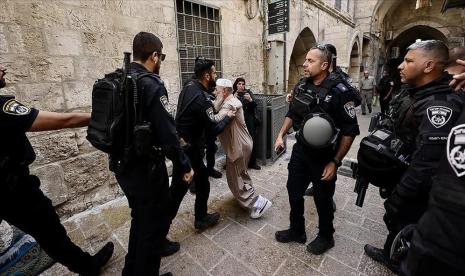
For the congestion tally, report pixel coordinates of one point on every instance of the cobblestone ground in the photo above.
(239, 245)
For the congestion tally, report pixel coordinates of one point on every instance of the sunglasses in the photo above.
(161, 55)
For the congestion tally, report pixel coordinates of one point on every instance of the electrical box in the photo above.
(276, 63)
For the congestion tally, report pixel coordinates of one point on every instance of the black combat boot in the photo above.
(169, 248)
(100, 259)
(214, 173)
(208, 221)
(320, 245)
(288, 235)
(378, 255)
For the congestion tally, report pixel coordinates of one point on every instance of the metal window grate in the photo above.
(198, 35)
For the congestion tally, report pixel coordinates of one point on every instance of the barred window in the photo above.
(198, 35)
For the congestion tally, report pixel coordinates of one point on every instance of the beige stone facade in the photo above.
(55, 50)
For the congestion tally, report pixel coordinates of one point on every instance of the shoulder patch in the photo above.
(13, 107)
(210, 113)
(439, 115)
(349, 108)
(456, 149)
(342, 87)
(165, 103)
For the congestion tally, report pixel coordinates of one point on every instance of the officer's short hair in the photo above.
(326, 54)
(144, 44)
(434, 48)
(456, 53)
(202, 65)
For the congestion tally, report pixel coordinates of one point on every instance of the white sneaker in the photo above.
(260, 206)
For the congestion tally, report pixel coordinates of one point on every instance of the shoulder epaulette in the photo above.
(342, 87)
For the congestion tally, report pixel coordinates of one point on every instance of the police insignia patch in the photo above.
(439, 115)
(210, 114)
(13, 107)
(456, 149)
(349, 107)
(165, 103)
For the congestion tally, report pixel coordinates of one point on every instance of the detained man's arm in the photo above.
(53, 120)
(330, 170)
(279, 144)
(458, 83)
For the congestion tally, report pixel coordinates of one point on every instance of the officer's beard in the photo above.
(2, 83)
(156, 70)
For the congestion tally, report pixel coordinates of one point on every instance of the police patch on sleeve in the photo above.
(439, 115)
(165, 103)
(349, 107)
(210, 114)
(13, 107)
(456, 149)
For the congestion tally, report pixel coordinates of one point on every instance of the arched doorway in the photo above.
(396, 50)
(354, 66)
(302, 44)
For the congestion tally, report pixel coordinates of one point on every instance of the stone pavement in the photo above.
(239, 245)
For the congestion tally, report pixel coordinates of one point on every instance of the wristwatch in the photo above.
(337, 162)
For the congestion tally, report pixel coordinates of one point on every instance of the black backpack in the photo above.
(116, 115)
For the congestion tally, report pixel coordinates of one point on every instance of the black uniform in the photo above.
(211, 147)
(22, 203)
(145, 181)
(385, 84)
(438, 245)
(434, 109)
(307, 164)
(250, 121)
(194, 121)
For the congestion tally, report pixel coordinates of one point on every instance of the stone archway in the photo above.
(302, 44)
(355, 59)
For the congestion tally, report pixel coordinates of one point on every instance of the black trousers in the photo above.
(179, 188)
(147, 189)
(420, 263)
(211, 150)
(384, 104)
(26, 207)
(304, 167)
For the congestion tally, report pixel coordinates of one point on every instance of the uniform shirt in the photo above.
(156, 110)
(367, 83)
(15, 120)
(385, 84)
(433, 116)
(195, 115)
(338, 103)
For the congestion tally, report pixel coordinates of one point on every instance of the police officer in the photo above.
(385, 90)
(438, 242)
(194, 121)
(145, 180)
(22, 202)
(316, 164)
(432, 110)
(337, 76)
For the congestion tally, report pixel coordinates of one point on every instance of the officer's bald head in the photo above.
(434, 50)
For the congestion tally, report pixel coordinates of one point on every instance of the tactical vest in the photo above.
(308, 103)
